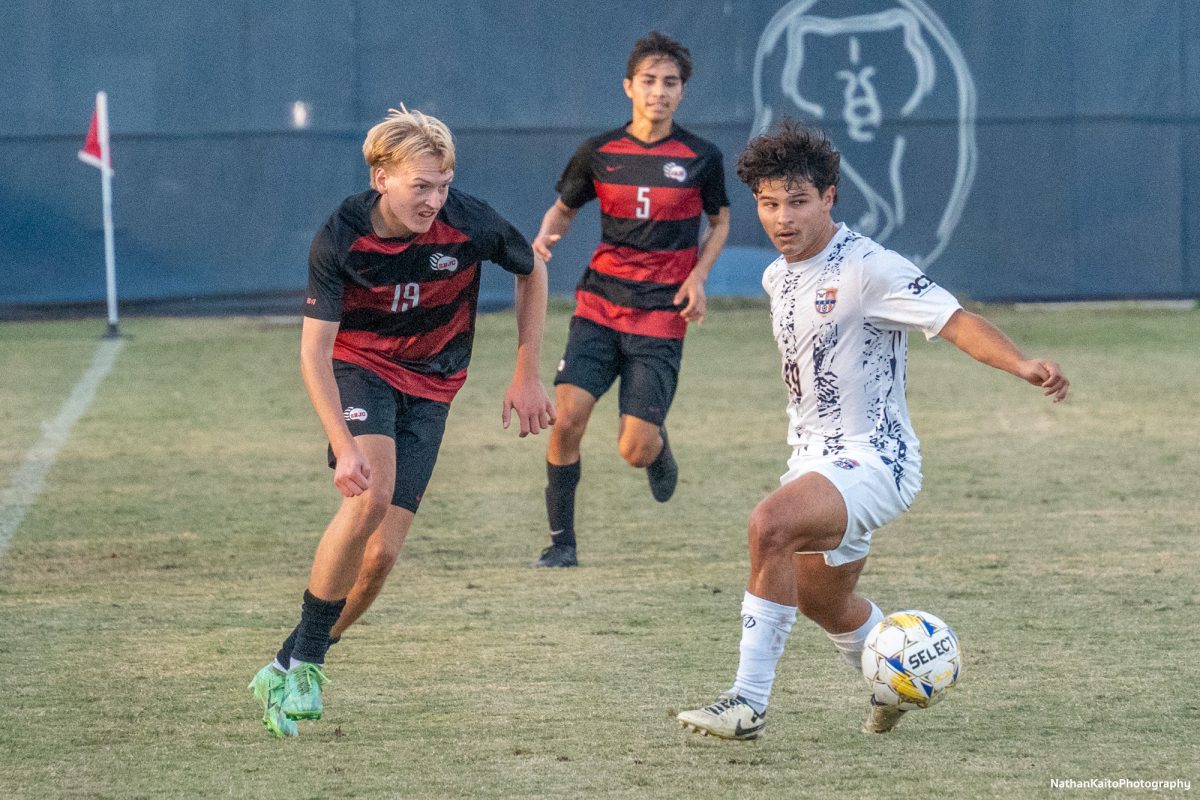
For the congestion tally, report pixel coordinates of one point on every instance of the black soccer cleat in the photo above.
(557, 555)
(663, 472)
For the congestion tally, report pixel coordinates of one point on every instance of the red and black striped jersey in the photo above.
(651, 200)
(407, 306)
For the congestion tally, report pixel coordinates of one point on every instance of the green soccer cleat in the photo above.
(268, 689)
(302, 691)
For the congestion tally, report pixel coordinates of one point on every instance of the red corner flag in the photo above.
(95, 149)
(96, 152)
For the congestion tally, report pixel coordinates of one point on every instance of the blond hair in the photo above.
(404, 135)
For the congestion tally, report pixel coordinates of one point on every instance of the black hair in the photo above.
(656, 44)
(793, 152)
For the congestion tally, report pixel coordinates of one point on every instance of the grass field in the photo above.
(167, 555)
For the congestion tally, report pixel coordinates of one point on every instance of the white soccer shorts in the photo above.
(868, 488)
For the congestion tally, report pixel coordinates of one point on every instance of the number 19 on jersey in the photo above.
(407, 296)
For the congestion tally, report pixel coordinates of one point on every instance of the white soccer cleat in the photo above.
(881, 719)
(730, 717)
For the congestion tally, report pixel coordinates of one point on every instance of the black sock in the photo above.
(284, 656)
(560, 501)
(317, 618)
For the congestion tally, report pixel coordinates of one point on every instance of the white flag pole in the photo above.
(110, 263)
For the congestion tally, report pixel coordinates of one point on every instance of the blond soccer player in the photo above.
(389, 320)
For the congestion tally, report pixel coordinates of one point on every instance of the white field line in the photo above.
(26, 483)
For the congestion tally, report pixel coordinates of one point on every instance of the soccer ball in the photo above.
(910, 660)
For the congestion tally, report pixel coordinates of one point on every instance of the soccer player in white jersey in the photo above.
(841, 306)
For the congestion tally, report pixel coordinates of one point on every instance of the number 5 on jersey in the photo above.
(410, 293)
(643, 203)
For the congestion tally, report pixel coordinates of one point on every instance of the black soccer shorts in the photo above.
(372, 406)
(648, 367)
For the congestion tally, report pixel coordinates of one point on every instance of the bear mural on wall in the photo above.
(890, 85)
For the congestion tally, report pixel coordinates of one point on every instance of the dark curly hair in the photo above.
(655, 44)
(793, 152)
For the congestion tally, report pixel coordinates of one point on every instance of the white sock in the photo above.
(765, 629)
(850, 644)
(278, 667)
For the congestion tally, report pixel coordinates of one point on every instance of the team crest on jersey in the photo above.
(443, 263)
(846, 463)
(826, 300)
(674, 171)
(355, 414)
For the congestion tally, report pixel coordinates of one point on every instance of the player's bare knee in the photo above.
(369, 509)
(770, 534)
(377, 564)
(636, 452)
(378, 504)
(568, 428)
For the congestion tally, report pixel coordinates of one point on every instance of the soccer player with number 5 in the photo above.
(389, 322)
(645, 282)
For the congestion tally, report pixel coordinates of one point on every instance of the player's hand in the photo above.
(1046, 374)
(691, 293)
(542, 244)
(352, 475)
(528, 398)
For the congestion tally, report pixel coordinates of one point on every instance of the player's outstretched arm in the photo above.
(986, 343)
(691, 293)
(526, 395)
(555, 224)
(352, 476)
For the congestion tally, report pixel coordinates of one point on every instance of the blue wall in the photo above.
(1021, 150)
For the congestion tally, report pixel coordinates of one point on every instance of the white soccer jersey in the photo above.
(841, 320)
